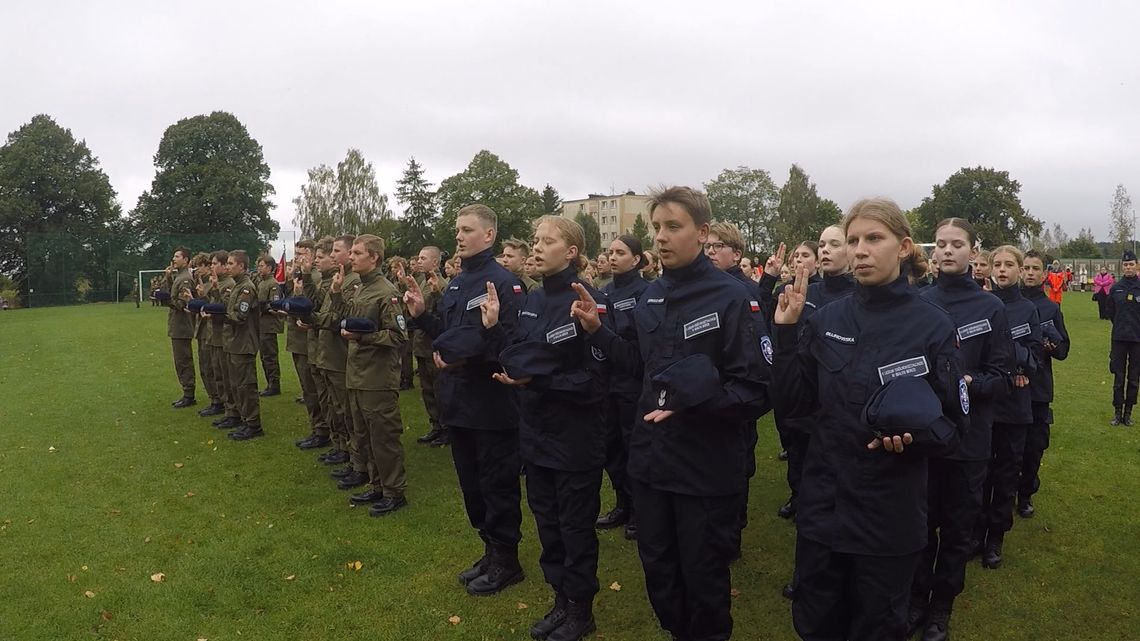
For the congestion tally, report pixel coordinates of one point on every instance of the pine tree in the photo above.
(421, 214)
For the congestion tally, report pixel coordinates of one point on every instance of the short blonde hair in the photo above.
(729, 235)
(571, 232)
(482, 212)
(374, 245)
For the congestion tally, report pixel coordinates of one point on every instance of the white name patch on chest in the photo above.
(916, 366)
(977, 328)
(1019, 331)
(702, 325)
(564, 333)
(626, 304)
(477, 301)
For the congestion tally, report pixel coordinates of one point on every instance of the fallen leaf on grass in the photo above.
(178, 466)
(158, 577)
(83, 567)
(734, 593)
(210, 442)
(189, 494)
(354, 565)
(105, 615)
(290, 577)
(146, 540)
(89, 594)
(453, 620)
(71, 578)
(615, 586)
(51, 448)
(522, 606)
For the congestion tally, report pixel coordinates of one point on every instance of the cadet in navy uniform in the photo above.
(886, 363)
(1055, 345)
(481, 414)
(1012, 415)
(955, 483)
(626, 260)
(1124, 360)
(562, 384)
(705, 382)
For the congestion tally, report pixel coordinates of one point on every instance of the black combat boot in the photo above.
(477, 569)
(916, 616)
(991, 558)
(938, 625)
(616, 517)
(553, 619)
(1117, 417)
(1127, 418)
(579, 622)
(502, 570)
(1025, 508)
(432, 434)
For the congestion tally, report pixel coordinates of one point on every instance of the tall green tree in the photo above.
(56, 207)
(421, 214)
(747, 198)
(358, 207)
(1121, 221)
(640, 231)
(490, 181)
(593, 233)
(986, 197)
(802, 214)
(314, 207)
(211, 189)
(551, 201)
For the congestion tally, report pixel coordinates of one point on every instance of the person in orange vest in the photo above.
(1055, 282)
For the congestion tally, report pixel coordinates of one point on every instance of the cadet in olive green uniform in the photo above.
(515, 253)
(221, 284)
(332, 361)
(297, 344)
(202, 327)
(240, 337)
(373, 373)
(180, 284)
(432, 284)
(316, 285)
(269, 324)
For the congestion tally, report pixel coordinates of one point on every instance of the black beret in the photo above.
(1048, 330)
(277, 305)
(214, 308)
(1128, 255)
(686, 383)
(195, 304)
(359, 325)
(161, 294)
(909, 404)
(530, 359)
(459, 343)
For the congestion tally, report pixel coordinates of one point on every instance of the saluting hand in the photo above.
(433, 282)
(585, 309)
(507, 380)
(775, 261)
(337, 281)
(791, 303)
(489, 309)
(413, 297)
(894, 444)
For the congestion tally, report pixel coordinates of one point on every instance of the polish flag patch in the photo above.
(518, 289)
(601, 309)
(754, 306)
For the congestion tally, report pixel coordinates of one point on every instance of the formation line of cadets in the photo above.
(914, 418)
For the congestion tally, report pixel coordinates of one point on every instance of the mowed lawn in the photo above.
(103, 486)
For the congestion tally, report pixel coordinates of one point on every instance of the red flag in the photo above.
(279, 275)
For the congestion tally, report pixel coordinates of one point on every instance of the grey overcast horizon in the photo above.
(870, 98)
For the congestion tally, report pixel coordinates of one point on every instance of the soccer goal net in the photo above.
(146, 287)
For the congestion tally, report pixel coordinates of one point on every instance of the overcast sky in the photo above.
(871, 98)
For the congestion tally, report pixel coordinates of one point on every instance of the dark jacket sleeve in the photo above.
(994, 379)
(623, 353)
(1029, 350)
(1062, 350)
(795, 381)
(744, 373)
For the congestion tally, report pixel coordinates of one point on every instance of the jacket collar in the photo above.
(560, 281)
(888, 295)
(628, 278)
(474, 262)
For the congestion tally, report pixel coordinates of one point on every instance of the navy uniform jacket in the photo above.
(1125, 298)
(1025, 329)
(826, 290)
(1052, 322)
(562, 415)
(700, 341)
(469, 396)
(985, 351)
(853, 499)
(624, 291)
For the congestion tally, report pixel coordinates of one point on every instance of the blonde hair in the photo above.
(521, 246)
(374, 245)
(572, 233)
(887, 212)
(696, 203)
(1017, 254)
(482, 212)
(729, 235)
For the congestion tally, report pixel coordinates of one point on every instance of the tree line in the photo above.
(63, 232)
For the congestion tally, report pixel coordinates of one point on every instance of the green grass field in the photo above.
(105, 485)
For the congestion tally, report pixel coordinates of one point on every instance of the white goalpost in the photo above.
(144, 285)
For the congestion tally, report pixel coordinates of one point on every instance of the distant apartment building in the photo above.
(615, 214)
